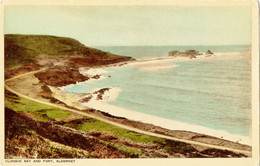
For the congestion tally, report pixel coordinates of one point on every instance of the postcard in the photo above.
(129, 82)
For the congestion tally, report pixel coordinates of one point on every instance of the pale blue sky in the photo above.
(134, 25)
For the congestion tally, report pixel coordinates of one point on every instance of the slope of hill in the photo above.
(36, 129)
(25, 53)
(23, 49)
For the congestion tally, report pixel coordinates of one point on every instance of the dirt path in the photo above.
(118, 124)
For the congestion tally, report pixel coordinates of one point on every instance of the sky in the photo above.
(134, 25)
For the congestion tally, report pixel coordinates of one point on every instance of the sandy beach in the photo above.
(164, 123)
(145, 65)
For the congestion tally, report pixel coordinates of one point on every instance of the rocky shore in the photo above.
(189, 53)
(64, 70)
(94, 99)
(99, 95)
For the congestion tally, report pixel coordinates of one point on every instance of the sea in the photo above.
(212, 94)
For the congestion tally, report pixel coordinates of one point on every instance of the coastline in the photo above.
(165, 123)
(60, 122)
(146, 65)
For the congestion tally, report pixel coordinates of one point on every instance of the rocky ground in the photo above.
(26, 137)
(50, 133)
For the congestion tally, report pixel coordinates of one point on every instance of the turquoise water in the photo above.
(213, 94)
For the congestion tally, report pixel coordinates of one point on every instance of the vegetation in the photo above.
(35, 130)
(21, 141)
(36, 137)
(97, 125)
(40, 112)
(133, 152)
(22, 49)
(44, 113)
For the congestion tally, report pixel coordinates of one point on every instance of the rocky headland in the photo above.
(62, 58)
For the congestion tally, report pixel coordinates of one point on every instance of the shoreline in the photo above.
(166, 123)
(112, 93)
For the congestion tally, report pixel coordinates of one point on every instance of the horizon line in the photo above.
(166, 45)
(148, 45)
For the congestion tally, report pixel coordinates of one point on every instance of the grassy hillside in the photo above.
(27, 121)
(22, 49)
(35, 130)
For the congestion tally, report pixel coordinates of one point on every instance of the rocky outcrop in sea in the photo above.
(188, 53)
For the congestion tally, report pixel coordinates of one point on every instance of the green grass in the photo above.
(97, 125)
(57, 114)
(133, 152)
(22, 49)
(41, 112)
(166, 145)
